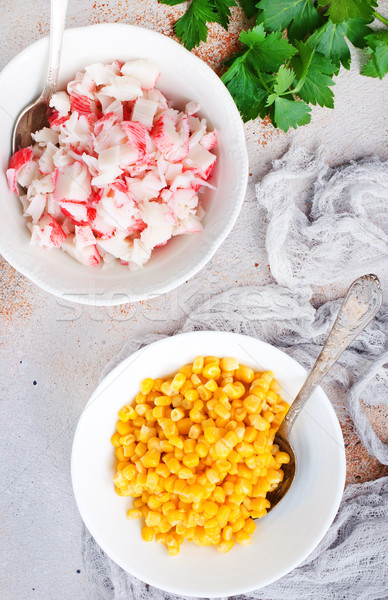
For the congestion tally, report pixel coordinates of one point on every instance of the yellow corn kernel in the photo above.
(191, 460)
(172, 463)
(273, 476)
(178, 380)
(223, 513)
(196, 415)
(223, 466)
(184, 426)
(151, 458)
(211, 371)
(195, 431)
(221, 450)
(119, 452)
(250, 435)
(134, 513)
(185, 473)
(204, 394)
(210, 509)
(158, 412)
(128, 451)
(121, 465)
(242, 537)
(211, 385)
(147, 534)
(162, 401)
(119, 480)
(228, 487)
(176, 441)
(229, 364)
(252, 404)
(212, 434)
(165, 446)
(173, 550)
(250, 462)
(195, 380)
(225, 546)
(212, 476)
(238, 524)
(189, 446)
(258, 504)
(245, 449)
(201, 449)
(191, 395)
(129, 472)
(146, 386)
(169, 428)
(268, 416)
(250, 526)
(153, 519)
(140, 398)
(282, 458)
(198, 364)
(177, 414)
(127, 413)
(258, 422)
(166, 388)
(124, 428)
(157, 383)
(245, 374)
(115, 440)
(222, 412)
(219, 495)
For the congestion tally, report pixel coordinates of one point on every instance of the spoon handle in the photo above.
(57, 25)
(362, 302)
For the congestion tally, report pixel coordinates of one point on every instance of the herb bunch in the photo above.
(289, 57)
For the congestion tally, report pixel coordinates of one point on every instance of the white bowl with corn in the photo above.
(176, 446)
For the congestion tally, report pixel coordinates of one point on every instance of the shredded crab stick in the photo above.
(118, 171)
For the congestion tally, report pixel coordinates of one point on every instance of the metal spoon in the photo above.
(35, 115)
(362, 302)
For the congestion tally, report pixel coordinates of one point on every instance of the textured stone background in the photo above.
(47, 345)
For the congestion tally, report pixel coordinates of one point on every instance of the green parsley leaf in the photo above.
(330, 39)
(314, 73)
(222, 8)
(343, 10)
(249, 7)
(300, 16)
(172, 2)
(192, 28)
(288, 113)
(283, 80)
(244, 85)
(357, 30)
(377, 65)
(268, 52)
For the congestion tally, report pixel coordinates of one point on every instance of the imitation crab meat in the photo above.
(119, 170)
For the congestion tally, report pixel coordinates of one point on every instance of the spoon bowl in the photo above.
(35, 115)
(361, 304)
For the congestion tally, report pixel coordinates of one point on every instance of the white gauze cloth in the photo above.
(351, 560)
(326, 225)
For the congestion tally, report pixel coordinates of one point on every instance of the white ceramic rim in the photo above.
(335, 501)
(109, 300)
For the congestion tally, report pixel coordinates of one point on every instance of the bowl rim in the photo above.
(108, 299)
(116, 372)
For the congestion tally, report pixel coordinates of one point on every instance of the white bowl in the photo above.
(283, 538)
(183, 77)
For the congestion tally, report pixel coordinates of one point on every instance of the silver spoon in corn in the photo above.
(361, 304)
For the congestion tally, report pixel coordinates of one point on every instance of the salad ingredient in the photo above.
(312, 52)
(196, 452)
(119, 171)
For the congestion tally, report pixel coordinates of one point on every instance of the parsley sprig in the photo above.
(290, 55)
